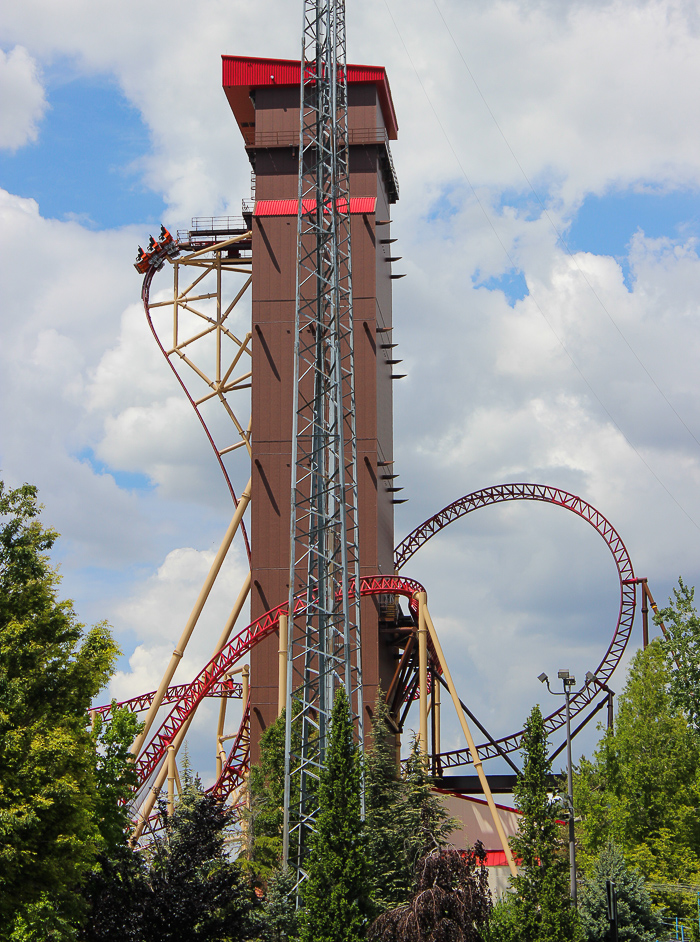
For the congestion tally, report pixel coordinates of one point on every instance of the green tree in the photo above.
(642, 787)
(681, 645)
(50, 670)
(636, 919)
(405, 820)
(265, 815)
(280, 917)
(542, 902)
(195, 892)
(335, 894)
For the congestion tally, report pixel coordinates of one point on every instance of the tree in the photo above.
(194, 891)
(542, 903)
(281, 919)
(265, 815)
(451, 902)
(681, 645)
(642, 787)
(50, 670)
(637, 921)
(405, 819)
(335, 894)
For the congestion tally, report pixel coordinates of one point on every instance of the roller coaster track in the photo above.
(145, 297)
(549, 495)
(213, 680)
(226, 688)
(238, 647)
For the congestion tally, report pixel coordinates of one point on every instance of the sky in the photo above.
(549, 164)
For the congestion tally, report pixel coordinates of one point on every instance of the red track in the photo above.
(237, 648)
(211, 680)
(549, 495)
(227, 688)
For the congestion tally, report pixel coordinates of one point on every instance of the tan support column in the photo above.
(422, 676)
(235, 612)
(147, 806)
(171, 780)
(470, 743)
(246, 683)
(282, 666)
(436, 745)
(220, 753)
(192, 620)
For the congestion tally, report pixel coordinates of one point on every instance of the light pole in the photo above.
(592, 679)
(568, 681)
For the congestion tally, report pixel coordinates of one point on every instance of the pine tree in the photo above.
(391, 870)
(195, 891)
(543, 905)
(405, 819)
(637, 922)
(335, 894)
(280, 919)
(265, 815)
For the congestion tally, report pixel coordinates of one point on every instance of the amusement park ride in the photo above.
(293, 389)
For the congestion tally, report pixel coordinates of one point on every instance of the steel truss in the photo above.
(628, 599)
(324, 640)
(198, 339)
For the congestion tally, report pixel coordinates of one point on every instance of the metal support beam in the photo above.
(323, 637)
(470, 743)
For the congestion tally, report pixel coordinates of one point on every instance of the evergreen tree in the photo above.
(405, 819)
(195, 892)
(265, 815)
(504, 922)
(280, 921)
(637, 922)
(452, 901)
(50, 670)
(335, 893)
(542, 903)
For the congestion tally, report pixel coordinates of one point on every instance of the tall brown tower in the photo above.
(264, 95)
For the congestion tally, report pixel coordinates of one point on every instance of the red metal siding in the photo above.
(359, 204)
(243, 71)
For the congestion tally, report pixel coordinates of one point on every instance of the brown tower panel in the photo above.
(264, 95)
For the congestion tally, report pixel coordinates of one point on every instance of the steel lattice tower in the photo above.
(324, 611)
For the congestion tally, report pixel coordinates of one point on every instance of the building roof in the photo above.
(242, 74)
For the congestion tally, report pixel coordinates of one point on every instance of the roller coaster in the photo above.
(210, 341)
(199, 314)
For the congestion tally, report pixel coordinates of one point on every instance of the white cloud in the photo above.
(22, 98)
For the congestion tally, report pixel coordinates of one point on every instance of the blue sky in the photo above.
(85, 163)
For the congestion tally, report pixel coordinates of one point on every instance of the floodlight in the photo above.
(563, 675)
(542, 678)
(590, 677)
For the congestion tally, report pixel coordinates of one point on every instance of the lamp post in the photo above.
(592, 679)
(568, 681)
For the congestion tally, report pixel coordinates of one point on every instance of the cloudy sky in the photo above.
(548, 157)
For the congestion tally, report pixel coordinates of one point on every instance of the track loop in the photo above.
(549, 495)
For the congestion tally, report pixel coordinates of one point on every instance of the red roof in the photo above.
(241, 74)
(358, 204)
